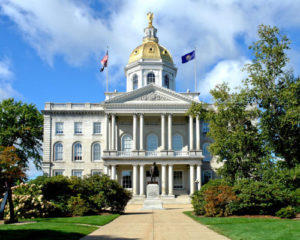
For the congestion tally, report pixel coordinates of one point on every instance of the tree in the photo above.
(234, 129)
(11, 169)
(21, 126)
(260, 121)
(277, 92)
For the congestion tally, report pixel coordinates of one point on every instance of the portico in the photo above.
(136, 136)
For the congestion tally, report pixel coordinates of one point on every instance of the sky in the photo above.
(50, 50)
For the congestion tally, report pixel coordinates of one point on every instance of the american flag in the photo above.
(104, 61)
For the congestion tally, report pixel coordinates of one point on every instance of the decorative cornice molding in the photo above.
(73, 112)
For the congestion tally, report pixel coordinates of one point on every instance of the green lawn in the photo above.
(55, 228)
(242, 228)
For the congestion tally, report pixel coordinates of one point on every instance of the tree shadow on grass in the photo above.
(34, 234)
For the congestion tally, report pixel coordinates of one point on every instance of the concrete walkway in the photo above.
(166, 224)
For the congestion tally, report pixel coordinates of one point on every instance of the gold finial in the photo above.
(150, 17)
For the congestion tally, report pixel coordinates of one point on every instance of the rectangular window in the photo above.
(178, 179)
(96, 172)
(126, 179)
(207, 175)
(59, 128)
(97, 128)
(205, 128)
(77, 173)
(58, 172)
(78, 127)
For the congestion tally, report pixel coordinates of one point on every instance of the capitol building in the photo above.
(125, 134)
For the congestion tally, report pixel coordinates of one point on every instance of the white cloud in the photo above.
(229, 71)
(6, 75)
(71, 29)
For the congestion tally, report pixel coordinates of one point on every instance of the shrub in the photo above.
(198, 203)
(203, 200)
(78, 206)
(105, 193)
(217, 200)
(29, 202)
(287, 212)
(97, 192)
(57, 190)
(261, 197)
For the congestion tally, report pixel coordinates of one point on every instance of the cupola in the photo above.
(150, 62)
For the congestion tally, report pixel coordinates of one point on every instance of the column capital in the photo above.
(141, 114)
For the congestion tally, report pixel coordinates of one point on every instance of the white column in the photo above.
(106, 132)
(141, 131)
(170, 180)
(197, 133)
(142, 192)
(113, 172)
(163, 179)
(199, 176)
(191, 133)
(108, 170)
(117, 135)
(109, 133)
(113, 127)
(134, 126)
(163, 132)
(105, 170)
(192, 179)
(134, 180)
(170, 132)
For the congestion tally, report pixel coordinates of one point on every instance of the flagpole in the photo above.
(195, 70)
(107, 73)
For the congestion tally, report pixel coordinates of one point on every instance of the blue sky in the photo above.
(50, 50)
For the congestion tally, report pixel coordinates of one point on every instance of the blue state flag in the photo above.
(188, 57)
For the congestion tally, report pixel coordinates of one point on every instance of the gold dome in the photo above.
(150, 50)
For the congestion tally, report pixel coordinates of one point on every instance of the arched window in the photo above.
(58, 151)
(177, 142)
(96, 149)
(150, 78)
(206, 153)
(126, 143)
(77, 152)
(152, 142)
(135, 82)
(167, 81)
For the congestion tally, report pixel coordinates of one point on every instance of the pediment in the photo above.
(150, 94)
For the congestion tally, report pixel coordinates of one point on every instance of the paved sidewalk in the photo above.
(166, 224)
